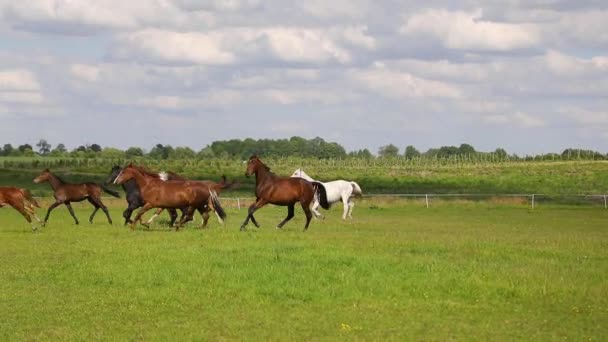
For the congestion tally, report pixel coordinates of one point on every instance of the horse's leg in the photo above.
(20, 207)
(306, 208)
(186, 216)
(140, 213)
(315, 209)
(29, 207)
(67, 204)
(205, 214)
(48, 212)
(104, 209)
(252, 208)
(94, 210)
(128, 212)
(290, 210)
(351, 205)
(345, 203)
(156, 214)
(172, 216)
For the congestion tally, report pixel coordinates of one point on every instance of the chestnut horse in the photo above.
(65, 193)
(283, 191)
(157, 193)
(21, 200)
(133, 194)
(217, 187)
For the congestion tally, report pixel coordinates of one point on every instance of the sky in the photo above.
(530, 76)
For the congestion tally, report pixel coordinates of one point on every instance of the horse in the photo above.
(134, 199)
(21, 200)
(65, 193)
(157, 193)
(217, 187)
(338, 190)
(282, 191)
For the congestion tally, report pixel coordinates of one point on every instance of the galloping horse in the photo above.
(283, 191)
(217, 187)
(157, 193)
(338, 190)
(21, 200)
(134, 199)
(65, 193)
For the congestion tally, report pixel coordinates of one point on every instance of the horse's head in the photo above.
(125, 174)
(43, 177)
(253, 165)
(113, 174)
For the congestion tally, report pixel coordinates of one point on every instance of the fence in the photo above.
(532, 200)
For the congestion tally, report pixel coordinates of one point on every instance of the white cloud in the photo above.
(518, 119)
(18, 80)
(397, 84)
(85, 72)
(468, 31)
(231, 46)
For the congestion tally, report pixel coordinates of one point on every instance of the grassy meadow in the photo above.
(398, 271)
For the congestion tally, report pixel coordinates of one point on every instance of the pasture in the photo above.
(459, 270)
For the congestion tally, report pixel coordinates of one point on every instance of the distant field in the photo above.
(378, 176)
(397, 271)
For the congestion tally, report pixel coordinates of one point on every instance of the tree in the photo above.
(501, 153)
(134, 152)
(60, 148)
(24, 147)
(161, 152)
(466, 149)
(7, 150)
(183, 153)
(80, 148)
(411, 152)
(112, 153)
(95, 148)
(44, 147)
(388, 151)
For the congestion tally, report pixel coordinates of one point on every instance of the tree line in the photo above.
(292, 147)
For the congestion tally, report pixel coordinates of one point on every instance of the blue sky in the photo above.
(529, 76)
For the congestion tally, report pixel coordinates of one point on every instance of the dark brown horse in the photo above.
(65, 193)
(157, 193)
(283, 191)
(21, 200)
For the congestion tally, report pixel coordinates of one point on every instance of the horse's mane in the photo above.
(145, 171)
(58, 178)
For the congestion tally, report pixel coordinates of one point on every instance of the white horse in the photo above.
(338, 190)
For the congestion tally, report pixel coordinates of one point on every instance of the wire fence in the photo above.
(427, 200)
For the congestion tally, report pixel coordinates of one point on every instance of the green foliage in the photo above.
(411, 152)
(391, 273)
(295, 146)
(44, 147)
(388, 151)
(133, 152)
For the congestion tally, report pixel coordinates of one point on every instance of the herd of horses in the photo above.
(146, 190)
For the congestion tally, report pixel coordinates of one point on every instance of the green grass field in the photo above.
(457, 271)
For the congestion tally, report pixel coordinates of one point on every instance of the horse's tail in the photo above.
(321, 194)
(109, 191)
(356, 189)
(215, 200)
(28, 197)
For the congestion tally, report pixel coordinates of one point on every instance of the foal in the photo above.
(65, 193)
(21, 200)
(283, 191)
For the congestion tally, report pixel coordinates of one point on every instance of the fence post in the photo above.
(427, 200)
(532, 201)
(238, 203)
(605, 203)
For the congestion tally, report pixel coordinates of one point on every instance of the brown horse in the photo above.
(283, 191)
(157, 193)
(215, 186)
(65, 193)
(21, 200)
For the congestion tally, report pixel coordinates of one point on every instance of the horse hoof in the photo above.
(243, 228)
(279, 227)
